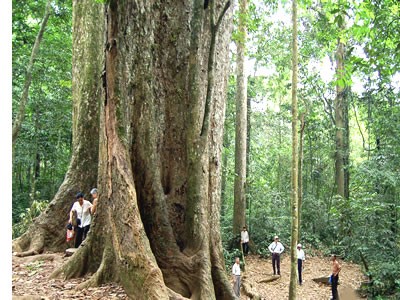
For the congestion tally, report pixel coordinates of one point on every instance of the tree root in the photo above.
(41, 257)
(248, 291)
(103, 274)
(324, 280)
(25, 242)
(269, 279)
(76, 266)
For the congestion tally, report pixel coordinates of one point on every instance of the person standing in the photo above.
(244, 240)
(300, 262)
(236, 277)
(335, 277)
(276, 248)
(82, 209)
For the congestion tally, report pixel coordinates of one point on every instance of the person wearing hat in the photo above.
(300, 262)
(244, 240)
(276, 248)
(82, 209)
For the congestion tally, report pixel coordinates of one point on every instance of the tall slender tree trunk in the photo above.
(300, 175)
(340, 122)
(239, 210)
(48, 230)
(19, 118)
(247, 182)
(295, 160)
(157, 228)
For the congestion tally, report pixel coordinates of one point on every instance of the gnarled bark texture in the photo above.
(48, 230)
(157, 225)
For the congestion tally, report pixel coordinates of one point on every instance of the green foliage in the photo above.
(26, 218)
(43, 148)
(229, 257)
(385, 279)
(368, 222)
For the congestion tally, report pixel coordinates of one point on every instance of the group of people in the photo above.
(276, 248)
(82, 211)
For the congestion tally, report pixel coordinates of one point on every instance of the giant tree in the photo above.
(161, 114)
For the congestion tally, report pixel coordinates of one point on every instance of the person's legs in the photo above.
(274, 262)
(299, 269)
(85, 232)
(78, 237)
(335, 280)
(278, 263)
(236, 286)
(246, 248)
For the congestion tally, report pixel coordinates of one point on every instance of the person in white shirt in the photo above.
(300, 262)
(82, 208)
(244, 240)
(236, 277)
(276, 248)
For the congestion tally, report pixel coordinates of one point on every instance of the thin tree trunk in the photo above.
(300, 175)
(340, 118)
(295, 162)
(346, 150)
(247, 181)
(239, 210)
(19, 118)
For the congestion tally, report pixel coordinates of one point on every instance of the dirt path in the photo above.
(31, 277)
(257, 269)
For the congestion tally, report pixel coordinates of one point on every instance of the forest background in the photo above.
(361, 225)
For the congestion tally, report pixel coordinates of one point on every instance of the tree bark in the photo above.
(157, 226)
(19, 118)
(48, 230)
(295, 160)
(300, 175)
(239, 210)
(340, 118)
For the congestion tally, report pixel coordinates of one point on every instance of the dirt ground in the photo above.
(257, 269)
(30, 277)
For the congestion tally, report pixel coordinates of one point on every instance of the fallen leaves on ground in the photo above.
(258, 269)
(31, 277)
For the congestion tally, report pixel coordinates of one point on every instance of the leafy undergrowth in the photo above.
(31, 277)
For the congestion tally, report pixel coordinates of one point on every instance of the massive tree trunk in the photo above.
(157, 226)
(295, 160)
(48, 230)
(239, 210)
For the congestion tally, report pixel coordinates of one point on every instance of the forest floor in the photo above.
(257, 269)
(30, 278)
